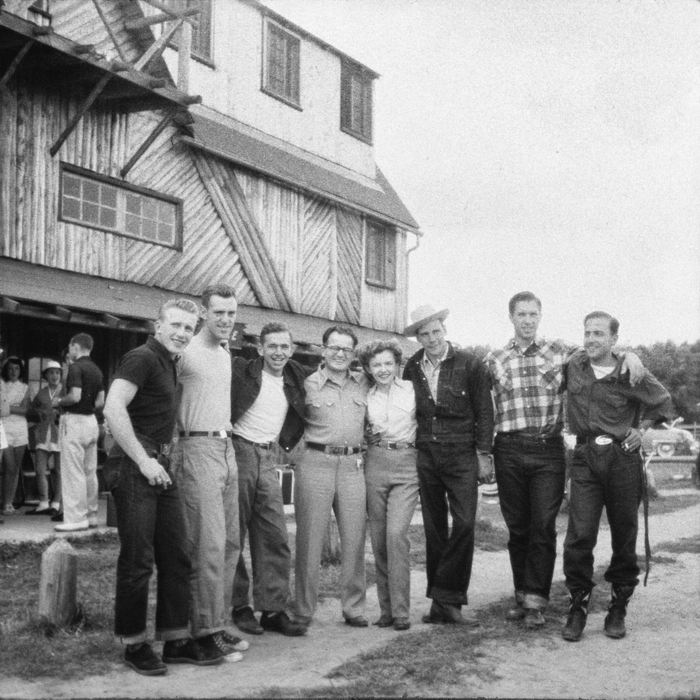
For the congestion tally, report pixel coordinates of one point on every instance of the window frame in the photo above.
(386, 256)
(349, 72)
(289, 36)
(121, 186)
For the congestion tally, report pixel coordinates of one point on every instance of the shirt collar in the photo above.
(615, 374)
(396, 383)
(159, 349)
(539, 342)
(324, 377)
(447, 353)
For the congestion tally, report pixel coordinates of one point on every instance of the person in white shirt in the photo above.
(391, 477)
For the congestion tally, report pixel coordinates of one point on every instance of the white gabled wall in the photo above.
(232, 87)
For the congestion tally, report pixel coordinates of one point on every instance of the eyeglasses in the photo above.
(339, 349)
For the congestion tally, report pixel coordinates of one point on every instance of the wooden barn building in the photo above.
(150, 148)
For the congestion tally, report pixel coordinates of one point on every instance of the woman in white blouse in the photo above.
(14, 401)
(391, 477)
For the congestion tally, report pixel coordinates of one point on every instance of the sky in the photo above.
(550, 146)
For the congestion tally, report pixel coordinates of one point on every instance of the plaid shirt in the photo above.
(527, 385)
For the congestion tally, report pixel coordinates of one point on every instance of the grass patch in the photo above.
(686, 545)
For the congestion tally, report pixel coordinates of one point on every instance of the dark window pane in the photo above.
(91, 191)
(71, 208)
(108, 196)
(132, 224)
(133, 203)
(71, 185)
(91, 213)
(108, 218)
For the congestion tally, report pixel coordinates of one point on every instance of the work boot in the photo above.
(617, 608)
(576, 619)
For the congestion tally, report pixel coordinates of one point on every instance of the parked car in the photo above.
(670, 441)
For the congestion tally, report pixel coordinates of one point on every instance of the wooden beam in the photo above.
(11, 305)
(83, 48)
(42, 31)
(87, 103)
(142, 22)
(167, 9)
(157, 47)
(149, 140)
(63, 313)
(183, 57)
(15, 62)
(110, 31)
(110, 320)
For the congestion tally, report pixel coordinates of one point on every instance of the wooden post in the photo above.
(58, 584)
(330, 554)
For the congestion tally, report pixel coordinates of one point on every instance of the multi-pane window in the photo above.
(356, 102)
(380, 255)
(201, 25)
(281, 75)
(111, 206)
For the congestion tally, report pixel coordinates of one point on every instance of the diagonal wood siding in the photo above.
(349, 266)
(318, 262)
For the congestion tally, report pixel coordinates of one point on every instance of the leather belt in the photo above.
(537, 438)
(261, 445)
(333, 449)
(599, 440)
(387, 445)
(206, 433)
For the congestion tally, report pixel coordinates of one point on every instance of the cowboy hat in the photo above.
(423, 315)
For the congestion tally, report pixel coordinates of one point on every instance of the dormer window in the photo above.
(281, 68)
(356, 102)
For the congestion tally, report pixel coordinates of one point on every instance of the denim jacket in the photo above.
(246, 381)
(463, 412)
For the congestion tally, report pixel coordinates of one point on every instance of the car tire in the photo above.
(665, 449)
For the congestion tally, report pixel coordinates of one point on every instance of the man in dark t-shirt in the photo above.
(78, 436)
(140, 412)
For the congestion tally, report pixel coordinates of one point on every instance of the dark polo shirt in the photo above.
(85, 375)
(152, 410)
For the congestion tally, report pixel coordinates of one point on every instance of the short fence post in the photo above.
(58, 584)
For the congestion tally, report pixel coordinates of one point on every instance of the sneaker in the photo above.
(9, 509)
(237, 643)
(517, 612)
(401, 624)
(72, 527)
(226, 650)
(199, 652)
(534, 618)
(245, 620)
(92, 522)
(280, 622)
(144, 660)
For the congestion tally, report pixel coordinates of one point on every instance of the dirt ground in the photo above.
(658, 658)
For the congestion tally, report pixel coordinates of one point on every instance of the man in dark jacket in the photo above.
(267, 408)
(455, 433)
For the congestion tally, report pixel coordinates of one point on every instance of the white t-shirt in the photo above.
(601, 371)
(263, 421)
(204, 374)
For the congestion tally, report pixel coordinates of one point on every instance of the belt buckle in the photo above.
(220, 433)
(335, 450)
(603, 440)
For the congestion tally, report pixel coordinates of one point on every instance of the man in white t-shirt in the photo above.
(204, 465)
(267, 408)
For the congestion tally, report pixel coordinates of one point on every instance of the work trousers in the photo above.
(392, 495)
(11, 458)
(151, 530)
(447, 475)
(530, 474)
(603, 476)
(206, 474)
(78, 441)
(43, 470)
(261, 515)
(323, 482)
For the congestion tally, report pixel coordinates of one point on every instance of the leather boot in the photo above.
(617, 609)
(576, 619)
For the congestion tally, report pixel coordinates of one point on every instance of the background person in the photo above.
(47, 455)
(78, 433)
(267, 411)
(605, 412)
(455, 432)
(14, 395)
(391, 478)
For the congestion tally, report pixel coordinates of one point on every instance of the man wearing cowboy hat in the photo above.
(455, 432)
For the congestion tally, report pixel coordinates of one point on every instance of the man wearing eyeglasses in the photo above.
(267, 409)
(330, 474)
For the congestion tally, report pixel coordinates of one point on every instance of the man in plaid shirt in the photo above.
(526, 378)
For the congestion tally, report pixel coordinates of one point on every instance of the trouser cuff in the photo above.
(532, 601)
(133, 638)
(172, 634)
(442, 595)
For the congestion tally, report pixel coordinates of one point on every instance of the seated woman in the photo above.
(391, 477)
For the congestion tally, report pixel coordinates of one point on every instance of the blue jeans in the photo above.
(603, 476)
(261, 515)
(447, 478)
(530, 474)
(151, 531)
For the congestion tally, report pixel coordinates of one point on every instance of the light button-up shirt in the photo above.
(392, 415)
